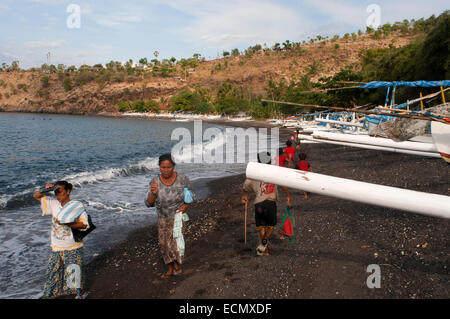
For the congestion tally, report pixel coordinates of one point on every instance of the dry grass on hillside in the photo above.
(252, 72)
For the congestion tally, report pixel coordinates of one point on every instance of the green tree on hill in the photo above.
(196, 101)
(433, 60)
(232, 99)
(67, 83)
(45, 81)
(143, 62)
(426, 58)
(235, 52)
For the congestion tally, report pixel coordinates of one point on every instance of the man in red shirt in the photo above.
(281, 158)
(290, 154)
(303, 165)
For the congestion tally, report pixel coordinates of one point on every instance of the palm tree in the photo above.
(287, 45)
(143, 62)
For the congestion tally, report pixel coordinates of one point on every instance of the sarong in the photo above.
(167, 243)
(65, 274)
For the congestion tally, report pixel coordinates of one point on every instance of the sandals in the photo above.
(262, 247)
(177, 273)
(82, 296)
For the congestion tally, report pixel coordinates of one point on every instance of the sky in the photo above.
(77, 32)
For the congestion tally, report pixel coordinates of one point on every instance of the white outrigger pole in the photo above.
(374, 194)
(312, 138)
(376, 141)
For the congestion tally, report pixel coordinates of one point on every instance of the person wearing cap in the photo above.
(65, 275)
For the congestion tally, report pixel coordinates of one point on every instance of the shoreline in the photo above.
(220, 121)
(335, 243)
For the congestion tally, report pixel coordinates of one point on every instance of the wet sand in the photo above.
(336, 240)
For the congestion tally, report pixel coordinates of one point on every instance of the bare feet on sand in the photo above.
(167, 274)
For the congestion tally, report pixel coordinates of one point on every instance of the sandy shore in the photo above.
(336, 241)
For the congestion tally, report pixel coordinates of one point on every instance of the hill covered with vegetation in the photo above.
(301, 72)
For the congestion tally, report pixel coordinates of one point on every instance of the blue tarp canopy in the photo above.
(426, 84)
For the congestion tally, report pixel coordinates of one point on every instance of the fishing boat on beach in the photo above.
(343, 128)
(419, 144)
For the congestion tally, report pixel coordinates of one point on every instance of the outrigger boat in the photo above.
(392, 197)
(439, 146)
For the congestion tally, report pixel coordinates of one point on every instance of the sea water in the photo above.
(110, 162)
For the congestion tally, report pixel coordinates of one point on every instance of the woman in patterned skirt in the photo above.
(65, 273)
(166, 191)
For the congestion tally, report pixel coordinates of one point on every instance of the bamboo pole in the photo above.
(421, 102)
(405, 111)
(393, 97)
(245, 223)
(355, 110)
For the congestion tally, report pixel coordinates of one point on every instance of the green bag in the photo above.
(288, 225)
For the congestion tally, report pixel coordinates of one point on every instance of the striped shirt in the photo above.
(61, 235)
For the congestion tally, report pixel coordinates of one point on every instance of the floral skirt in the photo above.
(168, 244)
(64, 273)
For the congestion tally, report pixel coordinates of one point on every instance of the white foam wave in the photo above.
(3, 201)
(79, 179)
(148, 164)
(104, 206)
(191, 152)
(173, 116)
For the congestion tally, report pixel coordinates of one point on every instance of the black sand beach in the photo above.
(336, 240)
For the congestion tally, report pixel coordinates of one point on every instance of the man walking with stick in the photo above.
(265, 207)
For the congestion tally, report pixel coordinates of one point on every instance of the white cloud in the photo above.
(237, 22)
(117, 19)
(344, 13)
(415, 9)
(86, 9)
(348, 13)
(44, 44)
(4, 8)
(49, 1)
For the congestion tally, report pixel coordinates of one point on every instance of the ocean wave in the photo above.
(194, 153)
(150, 164)
(142, 167)
(25, 198)
(100, 205)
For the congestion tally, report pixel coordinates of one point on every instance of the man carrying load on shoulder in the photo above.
(265, 206)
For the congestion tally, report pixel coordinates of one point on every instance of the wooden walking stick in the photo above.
(245, 224)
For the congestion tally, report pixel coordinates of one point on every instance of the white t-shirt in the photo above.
(61, 235)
